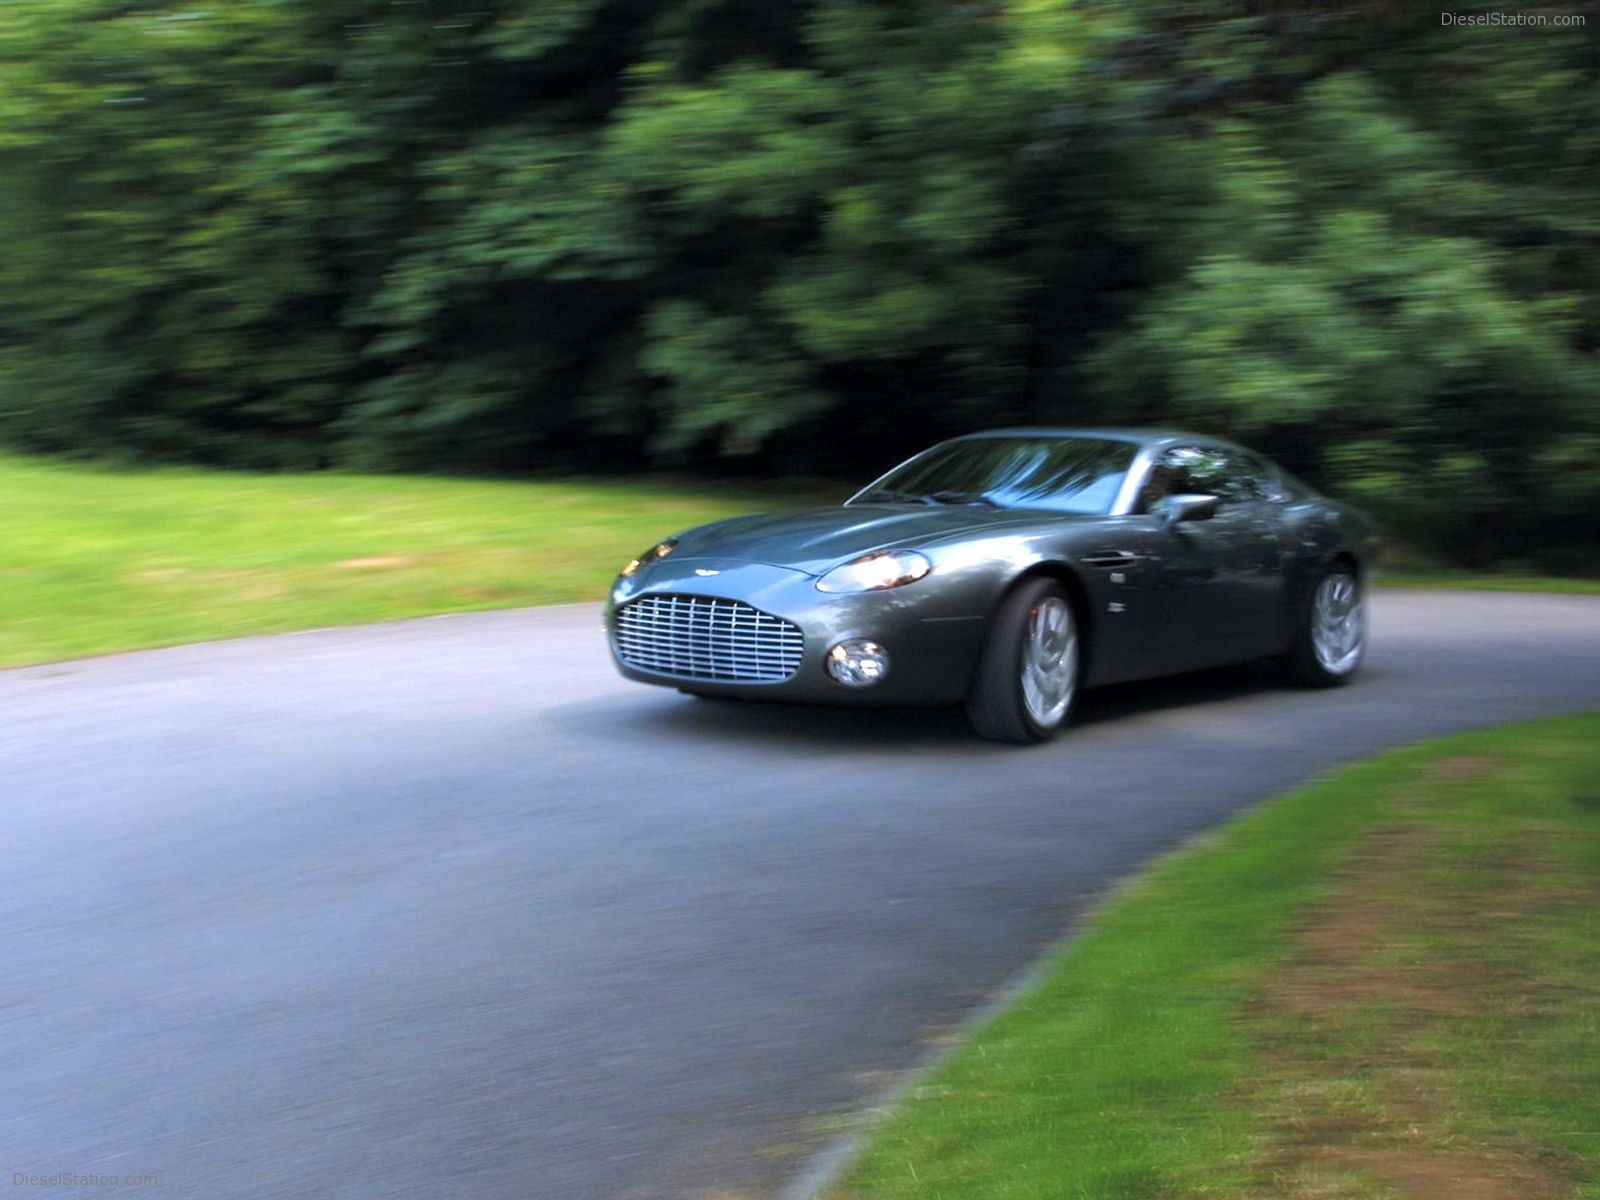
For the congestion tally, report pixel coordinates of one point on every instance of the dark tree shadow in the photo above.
(654, 714)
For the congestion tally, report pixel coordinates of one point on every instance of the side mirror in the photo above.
(1189, 508)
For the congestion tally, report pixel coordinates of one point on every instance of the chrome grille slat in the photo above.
(704, 637)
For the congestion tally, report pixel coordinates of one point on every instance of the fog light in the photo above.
(858, 664)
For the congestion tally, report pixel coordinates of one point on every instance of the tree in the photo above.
(458, 234)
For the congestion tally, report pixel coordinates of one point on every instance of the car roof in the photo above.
(1139, 437)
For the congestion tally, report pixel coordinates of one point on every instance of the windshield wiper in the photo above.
(932, 498)
(892, 497)
(953, 497)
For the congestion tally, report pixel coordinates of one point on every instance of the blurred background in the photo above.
(774, 239)
(325, 312)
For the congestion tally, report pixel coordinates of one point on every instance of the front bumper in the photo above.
(933, 644)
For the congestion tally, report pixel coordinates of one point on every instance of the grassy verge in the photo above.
(1489, 581)
(1387, 985)
(98, 560)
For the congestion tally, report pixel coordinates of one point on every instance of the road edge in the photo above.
(828, 1165)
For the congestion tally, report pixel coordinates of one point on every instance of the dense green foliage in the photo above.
(808, 235)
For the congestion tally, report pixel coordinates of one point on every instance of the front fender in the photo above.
(980, 575)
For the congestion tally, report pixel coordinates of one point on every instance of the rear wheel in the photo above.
(1331, 638)
(1027, 677)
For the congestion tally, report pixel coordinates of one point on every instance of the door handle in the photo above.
(1114, 558)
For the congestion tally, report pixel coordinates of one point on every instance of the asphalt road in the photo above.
(445, 909)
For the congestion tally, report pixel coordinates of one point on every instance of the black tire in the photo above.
(995, 702)
(1304, 664)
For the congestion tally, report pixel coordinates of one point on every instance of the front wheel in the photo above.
(1331, 637)
(1027, 677)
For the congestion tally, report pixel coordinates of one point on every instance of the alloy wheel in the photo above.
(1049, 661)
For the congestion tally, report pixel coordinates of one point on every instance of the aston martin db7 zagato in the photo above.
(1007, 571)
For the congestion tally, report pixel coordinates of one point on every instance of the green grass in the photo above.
(1386, 985)
(95, 560)
(1488, 581)
(1403, 566)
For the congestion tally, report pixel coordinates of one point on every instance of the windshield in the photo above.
(1067, 475)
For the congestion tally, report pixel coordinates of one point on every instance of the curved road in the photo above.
(445, 909)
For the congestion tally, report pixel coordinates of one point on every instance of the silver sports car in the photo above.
(1007, 571)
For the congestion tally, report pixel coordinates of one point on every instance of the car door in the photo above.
(1219, 578)
(1123, 570)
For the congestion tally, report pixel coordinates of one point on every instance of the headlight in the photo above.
(887, 569)
(655, 554)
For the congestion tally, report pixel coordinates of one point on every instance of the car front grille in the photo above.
(699, 637)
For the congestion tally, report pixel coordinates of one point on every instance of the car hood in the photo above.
(816, 539)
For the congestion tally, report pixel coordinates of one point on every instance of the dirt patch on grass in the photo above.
(1359, 1096)
(1352, 955)
(377, 563)
(1338, 1173)
(1462, 766)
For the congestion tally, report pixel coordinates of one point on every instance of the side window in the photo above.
(1204, 471)
(1245, 477)
(1172, 475)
